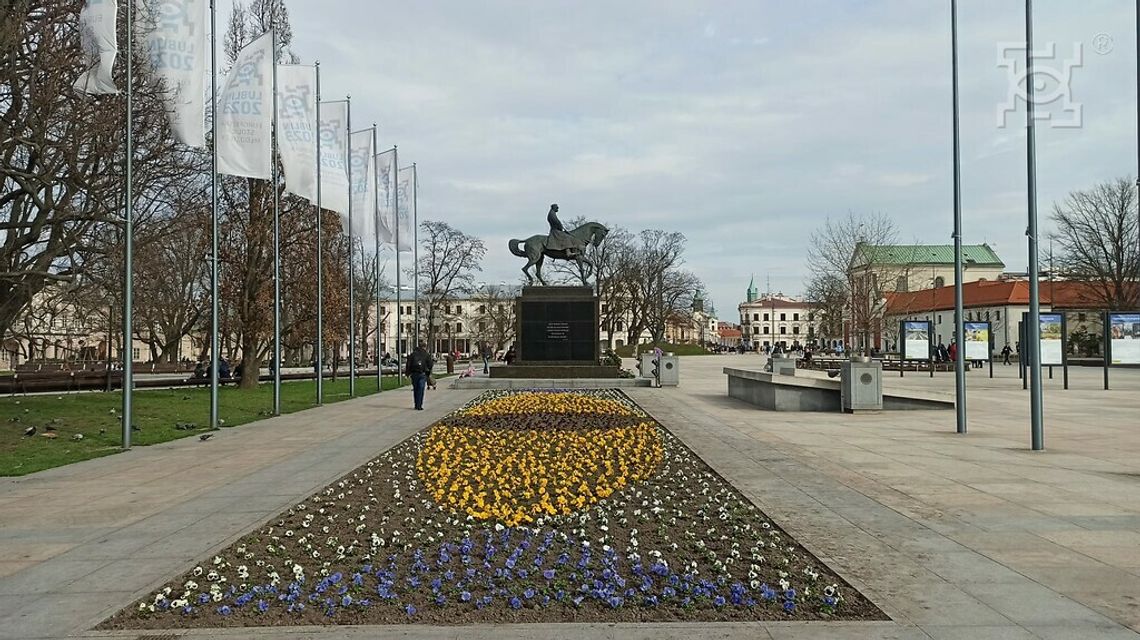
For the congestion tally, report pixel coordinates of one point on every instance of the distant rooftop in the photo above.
(929, 254)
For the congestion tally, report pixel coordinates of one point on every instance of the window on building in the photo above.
(604, 307)
(783, 316)
(997, 314)
(482, 308)
(767, 329)
(482, 326)
(939, 282)
(1081, 317)
(755, 331)
(765, 317)
(795, 317)
(619, 325)
(783, 330)
(458, 310)
(901, 284)
(458, 327)
(756, 316)
(811, 317)
(135, 354)
(383, 311)
(796, 330)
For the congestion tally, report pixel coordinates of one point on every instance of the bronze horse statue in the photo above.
(535, 250)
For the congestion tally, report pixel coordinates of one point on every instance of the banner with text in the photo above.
(360, 154)
(386, 185)
(100, 45)
(1124, 337)
(334, 156)
(245, 118)
(173, 35)
(406, 188)
(297, 128)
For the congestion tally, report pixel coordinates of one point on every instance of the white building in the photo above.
(776, 320)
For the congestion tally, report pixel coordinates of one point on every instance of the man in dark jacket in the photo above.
(418, 368)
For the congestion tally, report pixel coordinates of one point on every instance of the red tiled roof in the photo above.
(1066, 294)
(729, 333)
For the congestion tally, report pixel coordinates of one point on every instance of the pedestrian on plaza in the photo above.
(943, 355)
(223, 369)
(510, 356)
(1005, 353)
(418, 368)
(952, 352)
(485, 353)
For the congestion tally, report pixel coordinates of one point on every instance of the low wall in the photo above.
(549, 383)
(796, 393)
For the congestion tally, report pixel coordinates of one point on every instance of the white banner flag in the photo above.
(174, 36)
(245, 118)
(334, 156)
(100, 46)
(386, 183)
(297, 128)
(363, 193)
(407, 190)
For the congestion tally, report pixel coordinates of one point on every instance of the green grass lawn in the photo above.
(156, 411)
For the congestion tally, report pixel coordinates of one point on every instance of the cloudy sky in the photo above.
(744, 125)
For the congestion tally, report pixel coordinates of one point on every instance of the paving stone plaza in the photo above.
(951, 536)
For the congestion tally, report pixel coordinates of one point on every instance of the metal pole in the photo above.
(959, 320)
(214, 288)
(399, 299)
(376, 264)
(1033, 331)
(276, 247)
(319, 345)
(351, 267)
(128, 244)
(416, 252)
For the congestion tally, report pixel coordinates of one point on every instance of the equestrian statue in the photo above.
(559, 245)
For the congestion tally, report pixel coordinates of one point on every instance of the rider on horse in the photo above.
(559, 239)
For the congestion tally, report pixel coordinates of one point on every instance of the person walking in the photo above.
(485, 352)
(1005, 353)
(952, 352)
(418, 368)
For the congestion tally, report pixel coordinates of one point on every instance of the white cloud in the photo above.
(644, 113)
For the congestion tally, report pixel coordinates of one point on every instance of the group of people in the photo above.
(225, 372)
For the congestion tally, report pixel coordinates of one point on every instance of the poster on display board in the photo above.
(1124, 337)
(915, 339)
(1052, 339)
(977, 341)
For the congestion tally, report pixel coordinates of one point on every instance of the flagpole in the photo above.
(319, 347)
(128, 250)
(276, 243)
(351, 267)
(214, 303)
(416, 253)
(959, 311)
(399, 299)
(1033, 331)
(376, 264)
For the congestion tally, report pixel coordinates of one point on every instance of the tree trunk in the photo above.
(250, 365)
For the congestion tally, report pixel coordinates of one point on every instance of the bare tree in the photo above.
(449, 260)
(63, 152)
(852, 250)
(495, 319)
(1099, 237)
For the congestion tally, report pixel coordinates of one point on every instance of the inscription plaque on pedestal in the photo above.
(558, 324)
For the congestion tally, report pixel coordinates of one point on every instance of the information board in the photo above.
(915, 339)
(1052, 339)
(977, 341)
(1124, 337)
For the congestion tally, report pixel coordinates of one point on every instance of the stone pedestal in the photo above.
(556, 335)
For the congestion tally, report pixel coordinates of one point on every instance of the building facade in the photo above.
(776, 319)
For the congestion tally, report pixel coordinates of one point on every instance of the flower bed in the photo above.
(519, 507)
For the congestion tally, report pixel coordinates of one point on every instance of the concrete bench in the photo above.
(803, 393)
